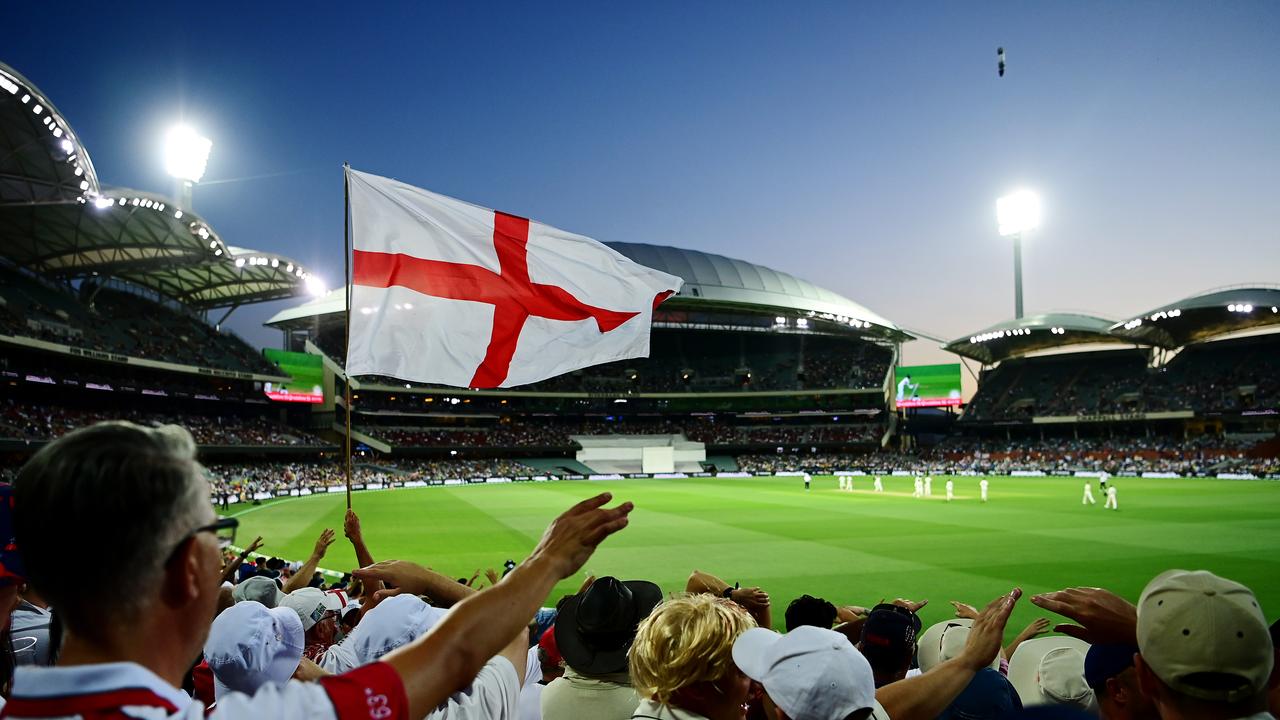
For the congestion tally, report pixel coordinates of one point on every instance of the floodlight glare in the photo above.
(1018, 212)
(185, 153)
(315, 286)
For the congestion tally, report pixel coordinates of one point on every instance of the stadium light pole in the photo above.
(1017, 213)
(186, 153)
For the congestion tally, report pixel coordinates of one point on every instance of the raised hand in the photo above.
(573, 537)
(964, 610)
(1103, 616)
(253, 546)
(492, 576)
(402, 574)
(351, 526)
(987, 632)
(323, 542)
(911, 605)
(1037, 627)
(750, 598)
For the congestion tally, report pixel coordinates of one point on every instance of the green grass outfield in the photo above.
(849, 547)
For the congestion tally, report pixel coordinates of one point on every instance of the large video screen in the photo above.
(927, 385)
(307, 371)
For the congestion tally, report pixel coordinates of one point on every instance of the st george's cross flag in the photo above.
(447, 292)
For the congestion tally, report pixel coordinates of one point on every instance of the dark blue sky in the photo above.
(858, 146)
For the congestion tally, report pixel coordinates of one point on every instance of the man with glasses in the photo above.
(119, 535)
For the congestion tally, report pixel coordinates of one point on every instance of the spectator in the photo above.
(12, 576)
(138, 615)
(988, 696)
(809, 610)
(1204, 647)
(259, 589)
(1050, 671)
(551, 666)
(1109, 672)
(682, 661)
(810, 673)
(250, 646)
(594, 632)
(888, 642)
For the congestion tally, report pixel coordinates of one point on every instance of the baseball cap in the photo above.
(250, 645)
(811, 673)
(394, 622)
(1105, 661)
(1204, 636)
(548, 644)
(943, 641)
(987, 696)
(309, 603)
(260, 589)
(12, 569)
(1050, 671)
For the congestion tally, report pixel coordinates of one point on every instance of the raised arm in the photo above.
(303, 576)
(752, 599)
(448, 657)
(351, 528)
(925, 696)
(405, 576)
(230, 571)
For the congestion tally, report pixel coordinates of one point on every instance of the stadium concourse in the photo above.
(112, 304)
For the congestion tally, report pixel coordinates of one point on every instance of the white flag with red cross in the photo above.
(447, 292)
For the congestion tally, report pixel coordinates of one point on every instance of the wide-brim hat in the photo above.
(943, 641)
(1050, 671)
(595, 628)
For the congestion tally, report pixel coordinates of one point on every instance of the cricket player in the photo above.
(928, 486)
(904, 385)
(878, 486)
(951, 488)
(982, 487)
(806, 481)
(1102, 481)
(1111, 499)
(844, 482)
(1088, 494)
(919, 491)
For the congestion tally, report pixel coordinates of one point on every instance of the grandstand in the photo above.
(107, 295)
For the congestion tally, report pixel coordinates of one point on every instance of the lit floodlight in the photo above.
(103, 202)
(315, 286)
(1018, 212)
(186, 153)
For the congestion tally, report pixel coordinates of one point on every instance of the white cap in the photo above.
(394, 622)
(811, 673)
(1197, 625)
(260, 589)
(1050, 671)
(943, 641)
(250, 645)
(310, 604)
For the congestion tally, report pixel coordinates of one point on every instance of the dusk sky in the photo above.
(860, 146)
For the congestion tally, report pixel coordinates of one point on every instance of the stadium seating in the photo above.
(108, 319)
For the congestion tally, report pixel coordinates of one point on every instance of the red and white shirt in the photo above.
(128, 691)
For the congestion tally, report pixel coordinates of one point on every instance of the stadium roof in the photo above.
(709, 280)
(57, 220)
(1204, 316)
(1037, 332)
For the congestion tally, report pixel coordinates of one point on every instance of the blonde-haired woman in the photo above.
(682, 660)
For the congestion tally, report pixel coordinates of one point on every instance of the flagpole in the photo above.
(346, 257)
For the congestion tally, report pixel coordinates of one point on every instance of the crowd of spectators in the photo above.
(171, 625)
(1227, 376)
(114, 321)
(1202, 455)
(238, 482)
(549, 432)
(46, 422)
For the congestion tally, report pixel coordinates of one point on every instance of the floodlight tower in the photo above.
(1017, 213)
(185, 154)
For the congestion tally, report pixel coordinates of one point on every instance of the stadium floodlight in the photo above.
(186, 153)
(315, 286)
(1017, 213)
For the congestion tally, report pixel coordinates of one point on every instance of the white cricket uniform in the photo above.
(806, 481)
(982, 486)
(919, 491)
(1088, 494)
(879, 486)
(1111, 499)
(928, 486)
(951, 487)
